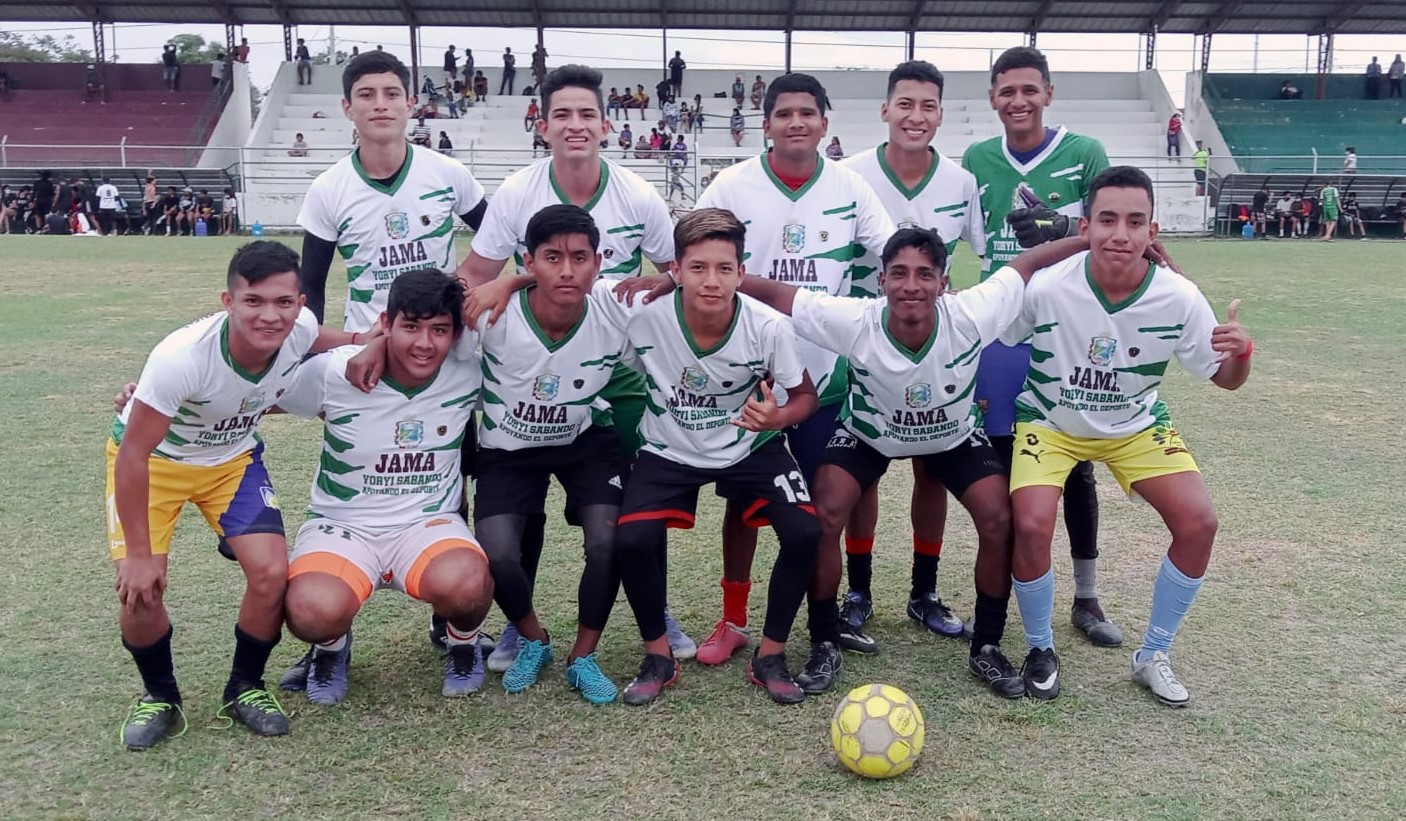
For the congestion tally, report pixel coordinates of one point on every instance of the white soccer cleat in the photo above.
(1156, 675)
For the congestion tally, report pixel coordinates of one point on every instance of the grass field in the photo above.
(1289, 652)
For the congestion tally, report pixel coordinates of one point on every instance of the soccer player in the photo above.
(706, 353)
(1329, 201)
(190, 434)
(1056, 166)
(384, 505)
(809, 222)
(1107, 322)
(918, 187)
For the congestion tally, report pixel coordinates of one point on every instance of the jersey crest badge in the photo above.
(918, 396)
(793, 238)
(1101, 350)
(409, 433)
(545, 387)
(398, 225)
(251, 403)
(824, 236)
(694, 379)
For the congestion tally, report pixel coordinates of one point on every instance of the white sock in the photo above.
(335, 645)
(454, 638)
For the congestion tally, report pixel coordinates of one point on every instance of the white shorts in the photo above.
(368, 561)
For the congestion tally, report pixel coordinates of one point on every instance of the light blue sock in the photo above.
(1172, 595)
(1036, 601)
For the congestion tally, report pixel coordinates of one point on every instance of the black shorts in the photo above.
(806, 442)
(515, 481)
(661, 489)
(468, 447)
(957, 469)
(1200, 175)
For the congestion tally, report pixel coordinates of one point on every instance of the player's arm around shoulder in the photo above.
(784, 360)
(834, 323)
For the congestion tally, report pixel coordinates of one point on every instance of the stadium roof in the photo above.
(1242, 17)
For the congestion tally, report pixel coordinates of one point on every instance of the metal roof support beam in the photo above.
(229, 41)
(1150, 46)
(414, 58)
(281, 12)
(1205, 52)
(1345, 12)
(1163, 14)
(1038, 20)
(1030, 38)
(1223, 15)
(914, 17)
(99, 45)
(911, 45)
(790, 26)
(1325, 62)
(287, 43)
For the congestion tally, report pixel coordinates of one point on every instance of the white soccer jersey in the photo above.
(946, 200)
(539, 393)
(1095, 367)
(693, 395)
(812, 238)
(215, 405)
(904, 402)
(389, 457)
(382, 231)
(633, 219)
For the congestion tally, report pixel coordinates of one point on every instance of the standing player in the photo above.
(1328, 200)
(919, 187)
(190, 434)
(706, 353)
(809, 223)
(1109, 322)
(1056, 166)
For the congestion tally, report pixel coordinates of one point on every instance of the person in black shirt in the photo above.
(304, 59)
(1352, 214)
(43, 196)
(451, 62)
(1258, 211)
(676, 67)
(170, 66)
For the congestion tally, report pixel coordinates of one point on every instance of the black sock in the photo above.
(924, 575)
(823, 620)
(157, 668)
(861, 572)
(251, 655)
(989, 625)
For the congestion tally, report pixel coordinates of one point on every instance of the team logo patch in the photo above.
(824, 236)
(251, 403)
(1134, 351)
(842, 439)
(545, 387)
(615, 483)
(951, 389)
(270, 500)
(608, 253)
(1101, 349)
(441, 430)
(793, 238)
(578, 384)
(409, 433)
(918, 396)
(694, 379)
(398, 225)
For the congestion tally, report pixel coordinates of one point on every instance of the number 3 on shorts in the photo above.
(793, 484)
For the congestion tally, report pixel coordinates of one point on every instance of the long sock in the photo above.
(1085, 578)
(157, 668)
(335, 645)
(453, 637)
(823, 620)
(989, 624)
(735, 595)
(251, 655)
(1036, 601)
(859, 561)
(1172, 595)
(925, 559)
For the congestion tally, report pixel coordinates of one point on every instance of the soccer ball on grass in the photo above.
(877, 731)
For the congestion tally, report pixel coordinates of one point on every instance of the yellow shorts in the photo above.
(1045, 457)
(236, 498)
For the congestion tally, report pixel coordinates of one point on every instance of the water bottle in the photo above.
(256, 230)
(201, 229)
(1248, 230)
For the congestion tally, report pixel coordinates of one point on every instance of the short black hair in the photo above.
(1120, 176)
(571, 75)
(374, 62)
(1021, 57)
(426, 293)
(795, 83)
(556, 220)
(256, 261)
(920, 70)
(924, 239)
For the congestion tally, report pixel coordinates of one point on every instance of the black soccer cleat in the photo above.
(1041, 674)
(991, 666)
(151, 722)
(823, 665)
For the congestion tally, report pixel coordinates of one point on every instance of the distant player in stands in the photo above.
(1055, 166)
(1109, 322)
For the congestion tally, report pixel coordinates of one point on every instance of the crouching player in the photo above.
(386, 496)
(706, 353)
(1105, 325)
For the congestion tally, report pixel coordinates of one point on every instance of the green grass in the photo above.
(1290, 651)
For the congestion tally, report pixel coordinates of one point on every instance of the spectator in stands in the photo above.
(539, 143)
(1352, 215)
(698, 113)
(1285, 211)
(670, 110)
(480, 86)
(1350, 160)
(304, 59)
(642, 148)
(9, 213)
(606, 128)
(1401, 213)
(662, 92)
(149, 198)
(170, 66)
(1289, 91)
(1374, 80)
(451, 94)
(738, 125)
(678, 154)
(170, 206)
(185, 222)
(108, 196)
(655, 141)
(627, 139)
(446, 147)
(229, 213)
(758, 93)
(638, 100)
(539, 65)
(1174, 135)
(529, 119)
(509, 72)
(217, 70)
(93, 83)
(468, 71)
(300, 146)
(613, 103)
(685, 117)
(420, 133)
(1259, 211)
(451, 62)
(1305, 214)
(1202, 161)
(738, 90)
(204, 210)
(1393, 77)
(676, 67)
(834, 151)
(355, 53)
(241, 51)
(28, 211)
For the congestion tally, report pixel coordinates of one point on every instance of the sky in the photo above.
(1176, 53)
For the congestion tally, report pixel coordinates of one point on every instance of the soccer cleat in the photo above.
(327, 674)
(463, 671)
(991, 666)
(656, 673)
(770, 673)
(725, 640)
(1156, 675)
(852, 638)
(1041, 673)
(585, 676)
(439, 628)
(823, 665)
(1099, 629)
(532, 656)
(505, 653)
(257, 709)
(295, 678)
(150, 722)
(680, 644)
(930, 612)
(856, 609)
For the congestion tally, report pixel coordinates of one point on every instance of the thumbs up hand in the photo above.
(761, 414)
(1230, 338)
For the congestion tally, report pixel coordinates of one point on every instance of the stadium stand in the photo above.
(1376, 194)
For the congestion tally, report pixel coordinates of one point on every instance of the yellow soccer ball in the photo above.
(877, 731)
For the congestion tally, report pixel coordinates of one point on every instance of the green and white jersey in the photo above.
(904, 402)
(1328, 198)
(389, 457)
(814, 238)
(540, 393)
(694, 394)
(1059, 175)
(633, 219)
(946, 200)
(215, 405)
(1095, 367)
(382, 231)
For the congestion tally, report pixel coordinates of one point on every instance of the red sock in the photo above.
(923, 548)
(859, 545)
(735, 596)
